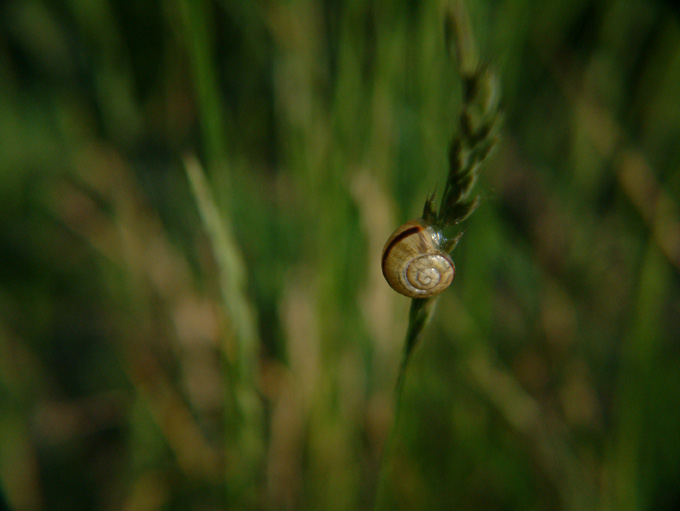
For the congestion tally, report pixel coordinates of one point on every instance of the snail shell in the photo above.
(412, 262)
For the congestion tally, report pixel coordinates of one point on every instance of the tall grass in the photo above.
(193, 201)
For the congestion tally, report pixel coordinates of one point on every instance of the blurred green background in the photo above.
(194, 196)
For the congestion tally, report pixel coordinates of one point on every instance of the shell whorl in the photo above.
(412, 262)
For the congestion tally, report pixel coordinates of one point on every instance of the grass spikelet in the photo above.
(475, 137)
(244, 422)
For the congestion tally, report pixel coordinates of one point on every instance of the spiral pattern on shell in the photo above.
(413, 264)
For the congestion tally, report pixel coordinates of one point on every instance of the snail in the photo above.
(414, 263)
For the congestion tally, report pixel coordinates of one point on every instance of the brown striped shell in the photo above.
(412, 262)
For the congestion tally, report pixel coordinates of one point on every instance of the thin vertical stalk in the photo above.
(472, 143)
(244, 408)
